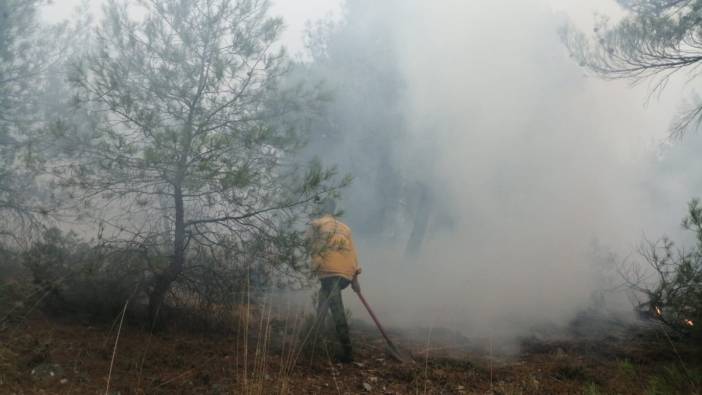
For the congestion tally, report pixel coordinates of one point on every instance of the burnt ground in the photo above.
(51, 356)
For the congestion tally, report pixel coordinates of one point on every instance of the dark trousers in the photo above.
(330, 299)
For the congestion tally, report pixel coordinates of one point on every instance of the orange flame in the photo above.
(689, 322)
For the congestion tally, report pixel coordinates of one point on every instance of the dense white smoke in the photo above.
(534, 162)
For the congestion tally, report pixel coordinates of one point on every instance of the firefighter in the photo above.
(335, 263)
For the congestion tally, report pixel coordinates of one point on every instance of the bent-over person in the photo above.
(335, 262)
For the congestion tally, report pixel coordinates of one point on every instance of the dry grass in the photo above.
(263, 354)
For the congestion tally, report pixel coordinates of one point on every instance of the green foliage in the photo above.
(21, 66)
(627, 369)
(21, 59)
(194, 138)
(31, 56)
(193, 88)
(674, 380)
(656, 39)
(194, 105)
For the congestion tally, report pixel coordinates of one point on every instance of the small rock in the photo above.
(460, 388)
(360, 365)
(47, 371)
(373, 379)
(63, 381)
(367, 387)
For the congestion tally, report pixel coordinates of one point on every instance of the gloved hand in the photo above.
(355, 285)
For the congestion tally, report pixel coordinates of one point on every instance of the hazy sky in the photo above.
(298, 12)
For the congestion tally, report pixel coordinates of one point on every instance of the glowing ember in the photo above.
(689, 322)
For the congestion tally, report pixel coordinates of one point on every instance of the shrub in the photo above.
(94, 280)
(671, 288)
(79, 278)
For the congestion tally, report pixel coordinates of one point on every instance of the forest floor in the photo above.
(41, 355)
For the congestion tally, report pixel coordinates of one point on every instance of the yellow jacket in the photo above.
(333, 251)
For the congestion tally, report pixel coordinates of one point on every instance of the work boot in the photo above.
(346, 356)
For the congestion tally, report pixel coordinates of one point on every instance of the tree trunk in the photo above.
(163, 281)
(421, 220)
(156, 299)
